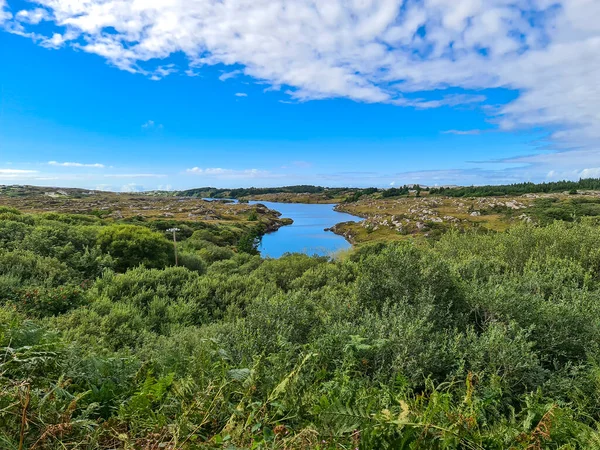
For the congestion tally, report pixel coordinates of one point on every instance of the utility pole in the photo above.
(174, 231)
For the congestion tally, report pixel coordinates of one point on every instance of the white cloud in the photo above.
(56, 41)
(150, 125)
(227, 75)
(33, 16)
(76, 164)
(162, 72)
(18, 174)
(593, 172)
(241, 94)
(230, 174)
(132, 187)
(4, 14)
(365, 50)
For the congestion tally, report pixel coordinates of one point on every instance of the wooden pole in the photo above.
(175, 246)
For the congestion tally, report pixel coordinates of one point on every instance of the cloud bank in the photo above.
(76, 164)
(217, 173)
(418, 53)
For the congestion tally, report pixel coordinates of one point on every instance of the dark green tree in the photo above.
(132, 245)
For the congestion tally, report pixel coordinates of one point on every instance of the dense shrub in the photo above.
(473, 341)
(132, 245)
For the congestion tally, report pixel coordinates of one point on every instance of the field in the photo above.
(430, 216)
(141, 207)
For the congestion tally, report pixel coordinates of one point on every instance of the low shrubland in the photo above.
(474, 341)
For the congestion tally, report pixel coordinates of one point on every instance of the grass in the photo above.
(401, 218)
(124, 206)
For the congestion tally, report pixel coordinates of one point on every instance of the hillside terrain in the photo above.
(484, 336)
(431, 215)
(120, 206)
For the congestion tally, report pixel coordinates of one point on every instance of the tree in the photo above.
(249, 242)
(132, 245)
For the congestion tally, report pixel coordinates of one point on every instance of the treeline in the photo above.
(210, 192)
(519, 188)
(404, 190)
(470, 342)
(343, 192)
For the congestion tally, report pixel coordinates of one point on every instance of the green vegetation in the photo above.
(286, 194)
(358, 193)
(546, 210)
(474, 341)
(402, 217)
(396, 192)
(211, 192)
(519, 188)
(349, 195)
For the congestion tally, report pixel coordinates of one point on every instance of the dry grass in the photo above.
(124, 206)
(430, 216)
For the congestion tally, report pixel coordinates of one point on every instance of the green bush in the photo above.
(45, 302)
(472, 341)
(131, 246)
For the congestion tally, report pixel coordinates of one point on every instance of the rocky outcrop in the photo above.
(342, 229)
(276, 224)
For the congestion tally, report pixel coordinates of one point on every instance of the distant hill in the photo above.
(211, 192)
(27, 191)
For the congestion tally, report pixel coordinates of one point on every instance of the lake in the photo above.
(307, 234)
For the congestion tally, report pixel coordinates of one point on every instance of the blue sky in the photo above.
(115, 95)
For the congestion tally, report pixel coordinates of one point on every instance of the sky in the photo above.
(132, 95)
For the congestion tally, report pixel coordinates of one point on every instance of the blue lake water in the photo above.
(307, 234)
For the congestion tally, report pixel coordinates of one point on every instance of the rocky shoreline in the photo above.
(274, 221)
(341, 229)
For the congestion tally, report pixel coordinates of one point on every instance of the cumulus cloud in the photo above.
(56, 41)
(573, 174)
(232, 174)
(592, 172)
(33, 16)
(412, 53)
(151, 125)
(241, 94)
(76, 164)
(5, 15)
